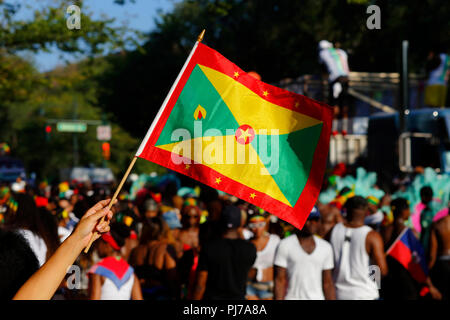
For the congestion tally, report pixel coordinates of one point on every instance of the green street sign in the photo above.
(71, 127)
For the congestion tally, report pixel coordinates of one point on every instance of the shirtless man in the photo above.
(330, 215)
(440, 255)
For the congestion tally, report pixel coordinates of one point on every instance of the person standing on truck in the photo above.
(438, 70)
(336, 62)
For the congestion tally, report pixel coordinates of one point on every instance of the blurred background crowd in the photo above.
(171, 238)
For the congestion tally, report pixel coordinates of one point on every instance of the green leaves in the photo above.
(48, 28)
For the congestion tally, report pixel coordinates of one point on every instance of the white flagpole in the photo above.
(166, 100)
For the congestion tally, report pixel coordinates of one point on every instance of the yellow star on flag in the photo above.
(187, 167)
(218, 180)
(252, 195)
(245, 134)
(265, 93)
(236, 74)
(297, 104)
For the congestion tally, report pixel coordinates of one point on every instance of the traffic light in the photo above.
(48, 130)
(106, 152)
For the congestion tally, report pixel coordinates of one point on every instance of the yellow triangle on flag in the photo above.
(249, 108)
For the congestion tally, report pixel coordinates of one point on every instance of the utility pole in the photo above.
(404, 94)
(75, 135)
(104, 122)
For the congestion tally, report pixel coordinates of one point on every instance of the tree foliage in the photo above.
(28, 99)
(48, 28)
(277, 38)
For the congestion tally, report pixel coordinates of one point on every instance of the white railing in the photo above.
(404, 147)
(347, 148)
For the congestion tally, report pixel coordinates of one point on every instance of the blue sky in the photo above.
(139, 15)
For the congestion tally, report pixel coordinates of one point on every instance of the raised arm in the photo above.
(43, 284)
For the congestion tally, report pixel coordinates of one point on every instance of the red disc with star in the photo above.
(244, 134)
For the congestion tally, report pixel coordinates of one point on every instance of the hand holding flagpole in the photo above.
(113, 200)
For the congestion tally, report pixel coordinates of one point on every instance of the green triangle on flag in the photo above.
(198, 91)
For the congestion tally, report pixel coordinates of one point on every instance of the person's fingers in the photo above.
(103, 227)
(98, 206)
(99, 214)
(101, 204)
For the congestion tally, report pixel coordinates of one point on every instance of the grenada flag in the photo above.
(228, 130)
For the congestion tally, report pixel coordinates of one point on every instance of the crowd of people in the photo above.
(168, 245)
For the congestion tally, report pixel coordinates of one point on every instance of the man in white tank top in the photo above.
(356, 247)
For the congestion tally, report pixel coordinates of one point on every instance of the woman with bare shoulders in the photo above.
(189, 237)
(190, 221)
(155, 261)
